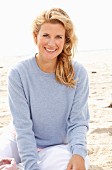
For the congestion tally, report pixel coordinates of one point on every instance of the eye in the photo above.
(58, 36)
(45, 35)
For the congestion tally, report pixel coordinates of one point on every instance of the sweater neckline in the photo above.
(37, 68)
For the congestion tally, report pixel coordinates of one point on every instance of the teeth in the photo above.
(50, 50)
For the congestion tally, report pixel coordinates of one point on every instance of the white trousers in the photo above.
(53, 157)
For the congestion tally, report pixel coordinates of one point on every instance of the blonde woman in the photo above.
(48, 98)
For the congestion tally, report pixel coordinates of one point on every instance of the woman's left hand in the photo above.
(76, 163)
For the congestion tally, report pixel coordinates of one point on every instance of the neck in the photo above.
(46, 66)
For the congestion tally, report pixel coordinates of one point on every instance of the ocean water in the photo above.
(93, 56)
(103, 54)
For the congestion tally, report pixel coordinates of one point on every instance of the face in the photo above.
(50, 41)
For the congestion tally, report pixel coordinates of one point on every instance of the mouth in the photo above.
(50, 50)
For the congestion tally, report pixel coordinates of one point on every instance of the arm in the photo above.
(22, 121)
(78, 121)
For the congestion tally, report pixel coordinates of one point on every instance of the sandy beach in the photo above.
(99, 67)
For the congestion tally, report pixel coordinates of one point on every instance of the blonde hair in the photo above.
(64, 69)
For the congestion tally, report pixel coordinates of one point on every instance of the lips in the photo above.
(50, 50)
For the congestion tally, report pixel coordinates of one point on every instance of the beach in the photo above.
(99, 67)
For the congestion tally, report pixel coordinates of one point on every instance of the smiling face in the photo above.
(50, 41)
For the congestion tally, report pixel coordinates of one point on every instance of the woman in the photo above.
(48, 95)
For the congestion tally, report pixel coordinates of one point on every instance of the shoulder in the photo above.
(22, 64)
(79, 69)
(21, 67)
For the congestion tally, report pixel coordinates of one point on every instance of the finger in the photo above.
(74, 168)
(69, 167)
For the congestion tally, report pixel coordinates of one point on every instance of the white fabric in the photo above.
(8, 148)
(53, 157)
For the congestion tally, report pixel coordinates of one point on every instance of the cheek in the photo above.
(61, 44)
(42, 42)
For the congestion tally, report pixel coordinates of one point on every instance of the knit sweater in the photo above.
(46, 112)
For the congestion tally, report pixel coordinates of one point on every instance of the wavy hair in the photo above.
(64, 72)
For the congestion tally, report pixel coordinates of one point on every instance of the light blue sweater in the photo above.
(46, 112)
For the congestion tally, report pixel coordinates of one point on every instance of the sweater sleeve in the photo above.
(78, 121)
(20, 111)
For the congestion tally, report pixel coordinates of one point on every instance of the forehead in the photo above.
(52, 27)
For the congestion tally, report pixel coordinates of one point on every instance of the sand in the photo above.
(99, 67)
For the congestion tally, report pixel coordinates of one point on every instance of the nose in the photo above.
(51, 42)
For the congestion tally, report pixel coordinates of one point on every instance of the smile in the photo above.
(50, 50)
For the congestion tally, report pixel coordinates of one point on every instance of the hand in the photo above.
(8, 164)
(76, 163)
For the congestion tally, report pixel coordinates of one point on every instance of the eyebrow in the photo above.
(60, 35)
(56, 35)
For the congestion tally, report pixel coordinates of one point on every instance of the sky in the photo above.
(92, 20)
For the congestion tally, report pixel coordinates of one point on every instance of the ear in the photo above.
(35, 37)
